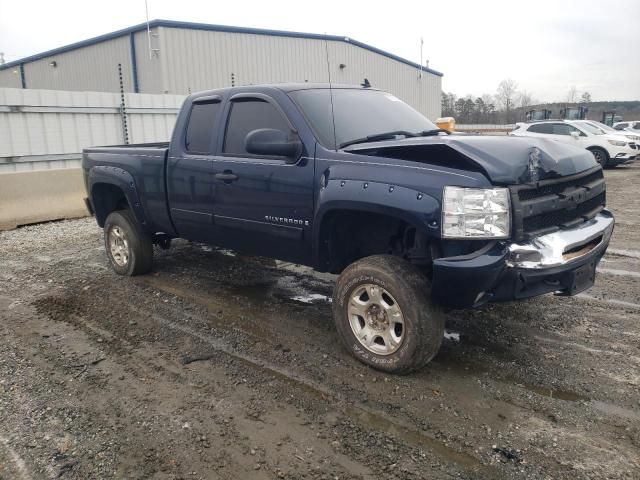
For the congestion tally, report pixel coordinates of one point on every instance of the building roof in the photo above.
(213, 28)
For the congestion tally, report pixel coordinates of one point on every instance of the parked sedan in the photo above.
(608, 149)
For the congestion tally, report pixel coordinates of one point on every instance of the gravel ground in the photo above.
(221, 366)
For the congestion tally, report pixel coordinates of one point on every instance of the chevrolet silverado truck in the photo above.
(355, 182)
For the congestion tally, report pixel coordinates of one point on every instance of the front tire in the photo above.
(384, 314)
(129, 248)
(601, 156)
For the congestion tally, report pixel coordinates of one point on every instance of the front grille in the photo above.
(551, 205)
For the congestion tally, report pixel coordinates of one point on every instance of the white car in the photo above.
(633, 137)
(632, 126)
(608, 149)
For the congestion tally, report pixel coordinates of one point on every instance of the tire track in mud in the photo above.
(20, 467)
(368, 417)
(375, 418)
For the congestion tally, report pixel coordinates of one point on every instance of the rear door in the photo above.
(539, 130)
(190, 183)
(262, 204)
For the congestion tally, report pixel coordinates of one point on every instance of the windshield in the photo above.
(358, 114)
(605, 128)
(592, 129)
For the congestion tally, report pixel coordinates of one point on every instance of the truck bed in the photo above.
(143, 166)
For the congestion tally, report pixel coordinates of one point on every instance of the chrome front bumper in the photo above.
(562, 247)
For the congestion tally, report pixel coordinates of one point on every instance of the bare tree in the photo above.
(585, 97)
(572, 94)
(505, 95)
(525, 99)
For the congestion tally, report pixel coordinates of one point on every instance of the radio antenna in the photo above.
(146, 9)
(333, 116)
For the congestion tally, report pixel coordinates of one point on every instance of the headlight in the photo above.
(475, 213)
(617, 143)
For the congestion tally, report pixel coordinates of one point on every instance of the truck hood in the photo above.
(504, 160)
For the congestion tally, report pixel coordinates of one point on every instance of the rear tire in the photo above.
(129, 248)
(601, 156)
(384, 314)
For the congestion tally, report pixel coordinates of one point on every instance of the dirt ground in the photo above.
(217, 366)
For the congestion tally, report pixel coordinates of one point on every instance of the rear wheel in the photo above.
(129, 248)
(601, 156)
(384, 314)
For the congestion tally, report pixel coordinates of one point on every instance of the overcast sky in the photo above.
(545, 46)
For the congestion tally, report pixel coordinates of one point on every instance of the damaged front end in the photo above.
(563, 262)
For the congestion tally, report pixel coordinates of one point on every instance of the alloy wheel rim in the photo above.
(599, 157)
(376, 319)
(118, 246)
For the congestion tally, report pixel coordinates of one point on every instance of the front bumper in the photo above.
(621, 155)
(622, 159)
(563, 262)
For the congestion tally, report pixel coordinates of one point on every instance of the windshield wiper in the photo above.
(430, 133)
(378, 137)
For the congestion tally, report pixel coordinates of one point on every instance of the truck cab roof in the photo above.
(282, 87)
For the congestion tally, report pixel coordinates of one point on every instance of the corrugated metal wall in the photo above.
(10, 77)
(189, 60)
(149, 68)
(92, 68)
(195, 60)
(44, 129)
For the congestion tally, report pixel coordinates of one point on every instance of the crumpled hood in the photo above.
(504, 159)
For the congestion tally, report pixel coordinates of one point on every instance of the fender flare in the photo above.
(124, 181)
(407, 204)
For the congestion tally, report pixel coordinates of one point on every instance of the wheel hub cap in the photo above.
(376, 319)
(118, 246)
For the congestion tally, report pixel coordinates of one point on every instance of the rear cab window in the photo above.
(201, 127)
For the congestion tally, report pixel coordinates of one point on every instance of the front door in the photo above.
(262, 204)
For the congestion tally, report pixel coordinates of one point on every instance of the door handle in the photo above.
(227, 176)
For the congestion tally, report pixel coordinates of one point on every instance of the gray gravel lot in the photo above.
(221, 366)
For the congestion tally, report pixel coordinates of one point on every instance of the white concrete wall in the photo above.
(42, 134)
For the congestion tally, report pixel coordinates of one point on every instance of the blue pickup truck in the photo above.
(353, 181)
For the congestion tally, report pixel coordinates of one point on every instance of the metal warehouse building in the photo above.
(179, 57)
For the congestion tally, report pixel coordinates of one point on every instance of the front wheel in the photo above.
(601, 156)
(129, 248)
(384, 314)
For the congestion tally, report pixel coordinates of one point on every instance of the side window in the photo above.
(540, 128)
(637, 126)
(621, 126)
(248, 115)
(562, 129)
(201, 127)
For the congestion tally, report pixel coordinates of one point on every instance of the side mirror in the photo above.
(272, 142)
(575, 135)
